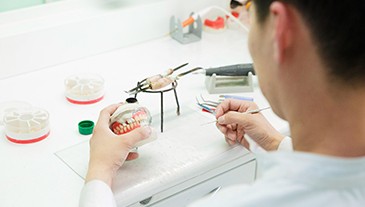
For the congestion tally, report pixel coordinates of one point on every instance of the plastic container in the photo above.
(130, 116)
(9, 106)
(84, 88)
(26, 125)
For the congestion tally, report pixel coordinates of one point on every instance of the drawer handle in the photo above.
(145, 201)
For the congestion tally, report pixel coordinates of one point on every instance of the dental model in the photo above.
(160, 81)
(130, 116)
(126, 124)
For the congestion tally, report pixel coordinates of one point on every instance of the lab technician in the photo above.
(310, 62)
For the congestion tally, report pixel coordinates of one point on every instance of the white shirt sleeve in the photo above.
(96, 193)
(286, 144)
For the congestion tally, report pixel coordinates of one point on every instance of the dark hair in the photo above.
(338, 28)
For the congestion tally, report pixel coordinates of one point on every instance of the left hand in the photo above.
(108, 151)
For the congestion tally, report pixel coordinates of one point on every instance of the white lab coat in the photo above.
(289, 179)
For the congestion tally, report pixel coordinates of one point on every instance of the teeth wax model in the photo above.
(130, 116)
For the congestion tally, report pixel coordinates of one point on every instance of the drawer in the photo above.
(187, 192)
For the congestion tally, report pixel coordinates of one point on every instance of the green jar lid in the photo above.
(86, 127)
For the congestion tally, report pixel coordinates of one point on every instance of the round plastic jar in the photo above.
(130, 116)
(26, 125)
(84, 88)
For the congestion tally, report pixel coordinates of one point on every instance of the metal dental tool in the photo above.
(221, 98)
(207, 102)
(206, 106)
(253, 111)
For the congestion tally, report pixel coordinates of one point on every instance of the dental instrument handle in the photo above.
(253, 111)
(243, 98)
(231, 70)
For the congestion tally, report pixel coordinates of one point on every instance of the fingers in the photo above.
(232, 125)
(132, 156)
(230, 142)
(233, 137)
(240, 133)
(233, 117)
(245, 143)
(233, 105)
(136, 135)
(230, 133)
(105, 114)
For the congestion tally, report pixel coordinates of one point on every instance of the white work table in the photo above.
(50, 172)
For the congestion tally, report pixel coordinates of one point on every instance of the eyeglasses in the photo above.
(247, 4)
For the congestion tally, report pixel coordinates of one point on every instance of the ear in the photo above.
(281, 19)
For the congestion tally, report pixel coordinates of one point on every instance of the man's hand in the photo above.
(234, 124)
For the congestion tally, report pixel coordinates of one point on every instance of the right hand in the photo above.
(234, 125)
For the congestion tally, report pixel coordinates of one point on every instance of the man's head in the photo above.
(301, 34)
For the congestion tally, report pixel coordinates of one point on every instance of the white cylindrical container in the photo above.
(26, 125)
(84, 88)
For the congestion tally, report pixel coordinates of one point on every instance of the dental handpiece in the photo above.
(231, 70)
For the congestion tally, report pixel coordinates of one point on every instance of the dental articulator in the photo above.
(223, 79)
(219, 79)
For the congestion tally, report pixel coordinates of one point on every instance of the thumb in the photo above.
(137, 135)
(232, 117)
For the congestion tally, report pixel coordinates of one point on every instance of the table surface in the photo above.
(50, 172)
